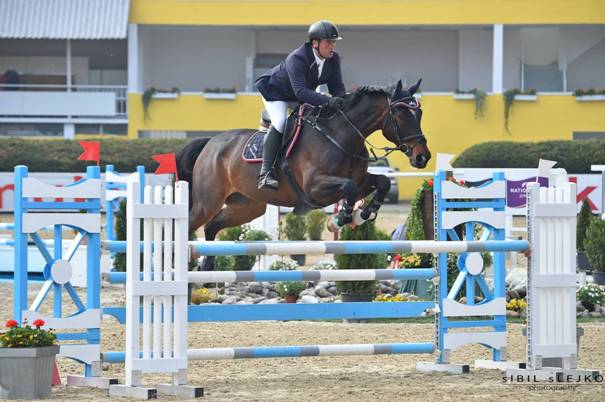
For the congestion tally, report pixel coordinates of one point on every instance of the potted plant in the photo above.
(220, 93)
(584, 218)
(591, 295)
(315, 221)
(357, 291)
(295, 229)
(27, 360)
(475, 94)
(290, 290)
(595, 249)
(512, 95)
(589, 95)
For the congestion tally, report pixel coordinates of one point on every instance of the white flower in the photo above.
(324, 266)
(285, 264)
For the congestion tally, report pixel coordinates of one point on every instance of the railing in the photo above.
(121, 92)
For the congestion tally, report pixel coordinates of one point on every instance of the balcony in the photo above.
(59, 102)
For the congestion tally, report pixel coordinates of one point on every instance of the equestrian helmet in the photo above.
(323, 30)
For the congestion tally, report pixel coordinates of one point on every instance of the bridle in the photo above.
(411, 103)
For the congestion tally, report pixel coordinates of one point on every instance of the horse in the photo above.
(329, 163)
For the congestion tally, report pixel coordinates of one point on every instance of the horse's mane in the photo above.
(352, 98)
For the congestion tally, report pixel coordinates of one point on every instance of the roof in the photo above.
(64, 19)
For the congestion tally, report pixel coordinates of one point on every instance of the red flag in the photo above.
(167, 164)
(56, 376)
(92, 151)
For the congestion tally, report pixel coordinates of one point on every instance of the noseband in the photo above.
(411, 103)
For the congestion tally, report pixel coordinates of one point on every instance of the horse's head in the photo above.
(402, 125)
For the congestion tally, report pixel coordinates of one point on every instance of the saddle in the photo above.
(253, 149)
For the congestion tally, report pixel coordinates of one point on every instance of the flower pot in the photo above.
(299, 258)
(27, 373)
(220, 95)
(599, 277)
(291, 298)
(356, 297)
(582, 261)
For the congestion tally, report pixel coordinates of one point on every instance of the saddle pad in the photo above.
(253, 150)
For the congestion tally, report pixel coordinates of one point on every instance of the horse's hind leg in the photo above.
(238, 210)
(372, 182)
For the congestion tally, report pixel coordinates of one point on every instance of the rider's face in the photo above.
(325, 47)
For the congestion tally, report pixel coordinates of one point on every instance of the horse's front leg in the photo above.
(325, 188)
(372, 182)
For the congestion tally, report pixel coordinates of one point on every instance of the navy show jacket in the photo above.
(296, 78)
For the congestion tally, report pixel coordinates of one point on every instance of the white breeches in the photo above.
(278, 112)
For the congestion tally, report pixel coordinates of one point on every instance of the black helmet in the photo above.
(323, 30)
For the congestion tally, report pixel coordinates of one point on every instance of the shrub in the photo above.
(315, 221)
(415, 221)
(60, 155)
(242, 233)
(590, 295)
(367, 231)
(584, 218)
(595, 244)
(573, 156)
(295, 227)
(224, 263)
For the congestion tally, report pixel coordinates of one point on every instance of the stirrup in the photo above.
(268, 181)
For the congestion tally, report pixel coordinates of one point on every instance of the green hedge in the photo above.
(41, 155)
(574, 156)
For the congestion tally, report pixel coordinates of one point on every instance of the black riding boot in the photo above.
(271, 145)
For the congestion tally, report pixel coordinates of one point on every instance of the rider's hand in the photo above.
(336, 102)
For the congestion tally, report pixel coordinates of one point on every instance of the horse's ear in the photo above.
(397, 92)
(415, 87)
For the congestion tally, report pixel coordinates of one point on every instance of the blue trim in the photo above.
(21, 251)
(465, 324)
(497, 203)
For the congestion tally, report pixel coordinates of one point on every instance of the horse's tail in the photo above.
(186, 157)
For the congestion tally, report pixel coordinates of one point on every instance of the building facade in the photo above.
(202, 57)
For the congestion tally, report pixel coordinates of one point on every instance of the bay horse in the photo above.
(328, 163)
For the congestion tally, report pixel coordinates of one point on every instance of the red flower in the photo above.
(38, 323)
(11, 324)
(430, 183)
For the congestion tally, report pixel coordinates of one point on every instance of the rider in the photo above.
(295, 79)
